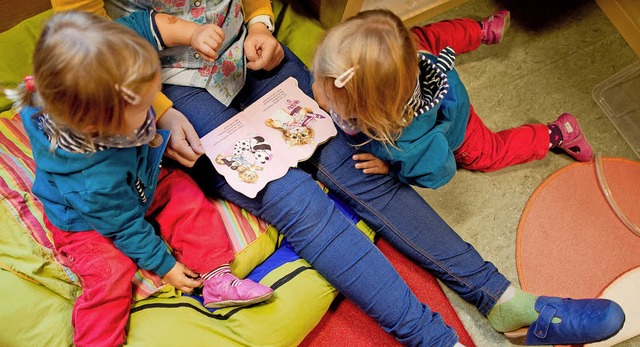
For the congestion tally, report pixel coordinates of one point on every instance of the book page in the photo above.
(261, 143)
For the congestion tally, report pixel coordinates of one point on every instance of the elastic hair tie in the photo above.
(345, 77)
(29, 84)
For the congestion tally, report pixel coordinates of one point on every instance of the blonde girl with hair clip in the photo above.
(87, 112)
(411, 112)
(412, 115)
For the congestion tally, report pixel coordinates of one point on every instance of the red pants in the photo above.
(187, 221)
(463, 35)
(482, 149)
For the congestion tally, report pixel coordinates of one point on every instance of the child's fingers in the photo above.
(209, 49)
(213, 31)
(186, 289)
(251, 52)
(189, 272)
(376, 170)
(255, 61)
(274, 54)
(218, 30)
(190, 284)
(207, 53)
(207, 40)
(373, 167)
(214, 41)
(364, 156)
(368, 164)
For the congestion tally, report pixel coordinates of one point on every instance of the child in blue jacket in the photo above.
(87, 112)
(412, 113)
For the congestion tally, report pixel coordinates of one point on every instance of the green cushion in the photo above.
(16, 51)
(32, 315)
(300, 299)
(298, 30)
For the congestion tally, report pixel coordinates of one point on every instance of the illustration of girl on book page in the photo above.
(248, 158)
(273, 134)
(294, 124)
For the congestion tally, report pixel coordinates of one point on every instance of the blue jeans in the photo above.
(330, 242)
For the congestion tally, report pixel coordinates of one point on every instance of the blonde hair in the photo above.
(382, 51)
(86, 70)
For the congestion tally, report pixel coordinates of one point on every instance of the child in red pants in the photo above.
(111, 208)
(412, 113)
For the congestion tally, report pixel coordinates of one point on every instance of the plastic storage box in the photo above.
(619, 98)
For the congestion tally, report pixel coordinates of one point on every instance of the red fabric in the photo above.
(100, 314)
(463, 35)
(484, 150)
(188, 222)
(346, 325)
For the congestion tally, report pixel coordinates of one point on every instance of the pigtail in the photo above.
(24, 95)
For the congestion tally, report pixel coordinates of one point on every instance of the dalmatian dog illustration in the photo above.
(248, 158)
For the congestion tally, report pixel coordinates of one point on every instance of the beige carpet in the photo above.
(553, 56)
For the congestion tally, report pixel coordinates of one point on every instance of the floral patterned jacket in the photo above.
(183, 65)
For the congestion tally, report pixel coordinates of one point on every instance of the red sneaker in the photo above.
(494, 27)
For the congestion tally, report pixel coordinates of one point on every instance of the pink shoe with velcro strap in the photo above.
(227, 290)
(495, 26)
(573, 140)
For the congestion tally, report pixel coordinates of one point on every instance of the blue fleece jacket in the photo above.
(423, 155)
(96, 191)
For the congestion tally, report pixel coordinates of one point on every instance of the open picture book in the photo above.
(261, 143)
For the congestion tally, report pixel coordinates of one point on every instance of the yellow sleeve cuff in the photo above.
(252, 8)
(93, 6)
(161, 104)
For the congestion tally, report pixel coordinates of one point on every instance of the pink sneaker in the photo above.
(227, 290)
(494, 27)
(573, 140)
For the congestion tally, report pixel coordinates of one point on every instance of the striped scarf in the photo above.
(75, 142)
(432, 84)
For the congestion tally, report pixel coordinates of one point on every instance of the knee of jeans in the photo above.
(296, 202)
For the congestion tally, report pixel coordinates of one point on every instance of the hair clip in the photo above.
(127, 94)
(345, 77)
(29, 84)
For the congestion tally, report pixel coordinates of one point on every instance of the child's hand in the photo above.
(206, 40)
(181, 278)
(263, 51)
(184, 145)
(370, 164)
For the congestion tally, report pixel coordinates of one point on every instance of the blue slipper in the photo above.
(582, 321)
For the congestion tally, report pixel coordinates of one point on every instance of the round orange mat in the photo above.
(570, 242)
